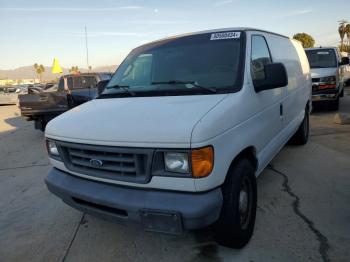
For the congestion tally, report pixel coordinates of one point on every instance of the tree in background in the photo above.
(306, 40)
(347, 32)
(342, 32)
(39, 69)
(74, 70)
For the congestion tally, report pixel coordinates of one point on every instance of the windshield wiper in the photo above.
(125, 88)
(175, 82)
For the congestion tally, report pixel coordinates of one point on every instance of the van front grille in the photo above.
(113, 163)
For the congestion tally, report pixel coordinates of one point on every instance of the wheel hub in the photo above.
(243, 202)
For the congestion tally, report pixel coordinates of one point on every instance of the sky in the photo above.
(37, 31)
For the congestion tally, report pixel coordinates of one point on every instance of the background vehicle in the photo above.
(328, 74)
(8, 95)
(41, 105)
(181, 131)
(346, 69)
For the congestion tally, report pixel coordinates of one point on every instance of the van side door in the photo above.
(296, 94)
(299, 87)
(268, 103)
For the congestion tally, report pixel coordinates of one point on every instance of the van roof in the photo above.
(246, 29)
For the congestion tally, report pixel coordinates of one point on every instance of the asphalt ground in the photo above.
(303, 207)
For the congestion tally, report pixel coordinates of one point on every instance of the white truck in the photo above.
(182, 130)
(328, 72)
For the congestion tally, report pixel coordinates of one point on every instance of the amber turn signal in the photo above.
(202, 161)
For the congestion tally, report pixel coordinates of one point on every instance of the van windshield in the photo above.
(321, 58)
(188, 65)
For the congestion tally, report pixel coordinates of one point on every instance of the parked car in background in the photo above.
(48, 85)
(41, 105)
(22, 89)
(37, 88)
(8, 95)
(328, 74)
(347, 69)
(179, 134)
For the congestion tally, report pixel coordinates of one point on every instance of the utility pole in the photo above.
(87, 50)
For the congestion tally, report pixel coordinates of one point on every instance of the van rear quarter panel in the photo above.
(306, 80)
(297, 93)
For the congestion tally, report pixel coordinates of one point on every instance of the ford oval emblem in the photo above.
(96, 162)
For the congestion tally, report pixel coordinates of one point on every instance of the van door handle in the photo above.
(281, 110)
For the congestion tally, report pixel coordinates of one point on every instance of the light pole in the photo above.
(87, 50)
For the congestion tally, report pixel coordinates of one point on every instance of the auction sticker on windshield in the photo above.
(225, 35)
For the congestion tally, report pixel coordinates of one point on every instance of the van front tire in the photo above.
(235, 225)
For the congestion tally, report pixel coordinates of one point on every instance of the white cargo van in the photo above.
(182, 130)
(328, 69)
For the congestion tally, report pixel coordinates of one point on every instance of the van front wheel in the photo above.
(235, 226)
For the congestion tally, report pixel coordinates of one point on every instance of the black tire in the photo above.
(235, 225)
(40, 124)
(334, 105)
(301, 136)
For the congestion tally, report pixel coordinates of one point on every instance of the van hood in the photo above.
(137, 120)
(323, 72)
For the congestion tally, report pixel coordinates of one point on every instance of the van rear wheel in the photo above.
(235, 225)
(302, 135)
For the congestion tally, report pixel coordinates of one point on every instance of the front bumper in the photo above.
(325, 95)
(162, 211)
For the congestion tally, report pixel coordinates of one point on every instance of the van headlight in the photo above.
(52, 149)
(176, 162)
(197, 163)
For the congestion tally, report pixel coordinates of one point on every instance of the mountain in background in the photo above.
(28, 72)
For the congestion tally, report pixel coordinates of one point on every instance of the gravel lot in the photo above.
(303, 207)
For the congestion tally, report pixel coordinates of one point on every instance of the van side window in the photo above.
(260, 56)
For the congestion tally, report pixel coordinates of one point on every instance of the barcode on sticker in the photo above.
(225, 35)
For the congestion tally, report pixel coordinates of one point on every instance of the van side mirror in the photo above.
(275, 76)
(344, 61)
(101, 86)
